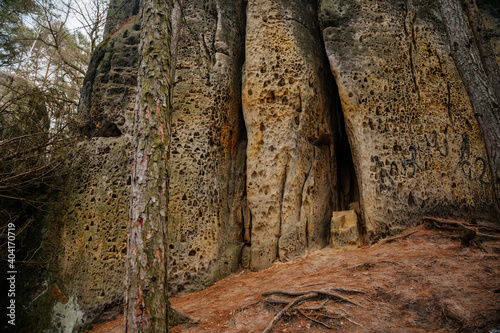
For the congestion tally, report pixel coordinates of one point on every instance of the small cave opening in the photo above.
(347, 182)
(241, 166)
(347, 191)
(241, 154)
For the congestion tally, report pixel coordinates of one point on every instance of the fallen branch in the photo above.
(392, 239)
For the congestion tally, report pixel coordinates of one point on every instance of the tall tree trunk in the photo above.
(475, 77)
(147, 307)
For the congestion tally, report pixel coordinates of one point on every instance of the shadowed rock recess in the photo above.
(284, 113)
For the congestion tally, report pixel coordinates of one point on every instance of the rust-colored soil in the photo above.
(427, 282)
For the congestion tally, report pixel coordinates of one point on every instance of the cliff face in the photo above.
(415, 142)
(284, 112)
(207, 156)
(88, 229)
(288, 109)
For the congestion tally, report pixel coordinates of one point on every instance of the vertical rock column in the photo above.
(206, 167)
(290, 156)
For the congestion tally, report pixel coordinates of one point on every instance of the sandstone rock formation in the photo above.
(207, 151)
(490, 12)
(93, 232)
(415, 142)
(284, 112)
(291, 168)
(90, 225)
(108, 94)
(345, 230)
(94, 218)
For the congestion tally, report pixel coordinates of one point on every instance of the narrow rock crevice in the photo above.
(409, 28)
(347, 186)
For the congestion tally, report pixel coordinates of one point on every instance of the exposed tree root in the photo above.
(176, 318)
(324, 291)
(469, 234)
(459, 225)
(313, 320)
(280, 314)
(276, 301)
(301, 296)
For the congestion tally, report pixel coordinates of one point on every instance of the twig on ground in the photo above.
(392, 239)
(312, 319)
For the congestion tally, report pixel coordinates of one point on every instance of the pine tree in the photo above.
(147, 308)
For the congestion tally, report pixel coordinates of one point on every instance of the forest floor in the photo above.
(426, 282)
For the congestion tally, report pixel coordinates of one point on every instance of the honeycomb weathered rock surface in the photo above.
(288, 110)
(416, 145)
(95, 198)
(207, 157)
(263, 105)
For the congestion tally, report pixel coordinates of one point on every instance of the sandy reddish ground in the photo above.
(427, 282)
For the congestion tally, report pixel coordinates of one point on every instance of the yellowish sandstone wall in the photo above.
(291, 167)
(415, 142)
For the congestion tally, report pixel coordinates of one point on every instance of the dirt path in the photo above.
(427, 282)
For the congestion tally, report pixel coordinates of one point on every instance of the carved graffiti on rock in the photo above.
(475, 170)
(434, 141)
(408, 162)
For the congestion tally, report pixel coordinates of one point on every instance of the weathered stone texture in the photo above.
(416, 145)
(94, 227)
(96, 195)
(206, 166)
(290, 157)
(344, 230)
(258, 157)
(108, 95)
(120, 11)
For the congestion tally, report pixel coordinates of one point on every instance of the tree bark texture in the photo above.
(476, 81)
(146, 304)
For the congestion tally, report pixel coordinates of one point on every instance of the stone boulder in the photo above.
(344, 230)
